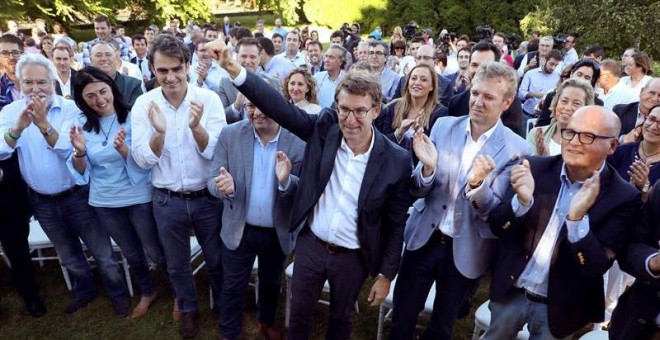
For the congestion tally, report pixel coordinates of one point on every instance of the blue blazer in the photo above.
(473, 240)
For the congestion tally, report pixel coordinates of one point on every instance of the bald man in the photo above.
(559, 226)
(426, 55)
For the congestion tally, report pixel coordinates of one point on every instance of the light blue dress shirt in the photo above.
(262, 192)
(278, 68)
(114, 182)
(536, 81)
(389, 80)
(325, 87)
(534, 277)
(213, 77)
(43, 167)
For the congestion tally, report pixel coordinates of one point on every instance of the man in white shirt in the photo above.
(614, 92)
(175, 130)
(62, 58)
(37, 128)
(292, 51)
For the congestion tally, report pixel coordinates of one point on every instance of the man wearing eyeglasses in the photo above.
(632, 115)
(560, 226)
(426, 55)
(377, 58)
(351, 199)
(11, 48)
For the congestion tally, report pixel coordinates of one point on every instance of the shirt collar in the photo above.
(486, 135)
(275, 138)
(186, 99)
(344, 145)
(564, 174)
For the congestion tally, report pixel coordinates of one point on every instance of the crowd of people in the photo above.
(410, 160)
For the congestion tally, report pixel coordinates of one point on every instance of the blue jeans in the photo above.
(134, 230)
(68, 220)
(174, 218)
(509, 315)
(237, 267)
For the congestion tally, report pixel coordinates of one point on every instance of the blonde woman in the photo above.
(572, 94)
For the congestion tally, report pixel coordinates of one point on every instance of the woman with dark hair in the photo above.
(46, 46)
(120, 191)
(300, 89)
(417, 108)
(638, 162)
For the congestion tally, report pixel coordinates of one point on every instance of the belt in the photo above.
(333, 248)
(186, 195)
(442, 237)
(533, 297)
(58, 196)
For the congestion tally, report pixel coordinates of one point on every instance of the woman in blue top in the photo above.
(120, 191)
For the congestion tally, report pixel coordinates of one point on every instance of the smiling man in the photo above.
(103, 31)
(351, 199)
(104, 56)
(175, 130)
(559, 226)
(62, 59)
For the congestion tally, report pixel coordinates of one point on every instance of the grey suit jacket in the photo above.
(234, 152)
(228, 93)
(473, 238)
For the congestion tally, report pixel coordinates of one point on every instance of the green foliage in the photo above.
(333, 13)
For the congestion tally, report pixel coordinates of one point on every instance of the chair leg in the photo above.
(127, 274)
(381, 321)
(256, 289)
(211, 302)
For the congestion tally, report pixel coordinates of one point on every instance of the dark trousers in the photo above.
(14, 231)
(419, 269)
(345, 271)
(237, 267)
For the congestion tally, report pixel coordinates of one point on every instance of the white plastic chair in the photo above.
(38, 241)
(595, 335)
(482, 323)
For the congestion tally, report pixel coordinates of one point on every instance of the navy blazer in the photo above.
(575, 283)
(459, 105)
(628, 115)
(384, 194)
(58, 88)
(635, 313)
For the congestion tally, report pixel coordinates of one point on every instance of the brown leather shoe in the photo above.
(270, 332)
(189, 324)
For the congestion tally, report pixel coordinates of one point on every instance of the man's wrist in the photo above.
(575, 216)
(654, 265)
(473, 185)
(427, 171)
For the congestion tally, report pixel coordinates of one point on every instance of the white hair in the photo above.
(66, 41)
(36, 59)
(548, 38)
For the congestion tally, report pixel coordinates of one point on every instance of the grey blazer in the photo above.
(473, 238)
(228, 93)
(234, 152)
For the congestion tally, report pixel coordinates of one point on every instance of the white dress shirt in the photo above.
(335, 216)
(65, 87)
(181, 166)
(637, 88)
(619, 94)
(143, 66)
(43, 167)
(470, 152)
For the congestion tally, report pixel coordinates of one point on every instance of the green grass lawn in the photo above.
(97, 320)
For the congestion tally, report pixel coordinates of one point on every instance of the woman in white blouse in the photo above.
(300, 88)
(638, 70)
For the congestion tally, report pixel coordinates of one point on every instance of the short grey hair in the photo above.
(341, 49)
(495, 70)
(68, 42)
(386, 49)
(36, 59)
(548, 38)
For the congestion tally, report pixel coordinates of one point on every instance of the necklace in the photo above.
(105, 142)
(647, 156)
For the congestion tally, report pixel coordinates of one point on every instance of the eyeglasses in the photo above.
(359, 113)
(15, 53)
(650, 120)
(586, 138)
(378, 53)
(424, 57)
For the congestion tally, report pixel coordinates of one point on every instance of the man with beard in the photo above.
(11, 48)
(314, 56)
(37, 128)
(536, 83)
(103, 30)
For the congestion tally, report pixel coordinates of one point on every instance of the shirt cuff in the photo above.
(426, 180)
(577, 230)
(284, 188)
(518, 208)
(240, 79)
(648, 266)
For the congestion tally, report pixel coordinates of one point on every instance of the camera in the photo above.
(448, 37)
(514, 41)
(559, 41)
(484, 32)
(410, 30)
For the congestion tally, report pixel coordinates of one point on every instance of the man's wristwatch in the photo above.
(646, 187)
(48, 131)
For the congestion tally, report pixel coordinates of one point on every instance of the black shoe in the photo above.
(121, 307)
(36, 307)
(75, 305)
